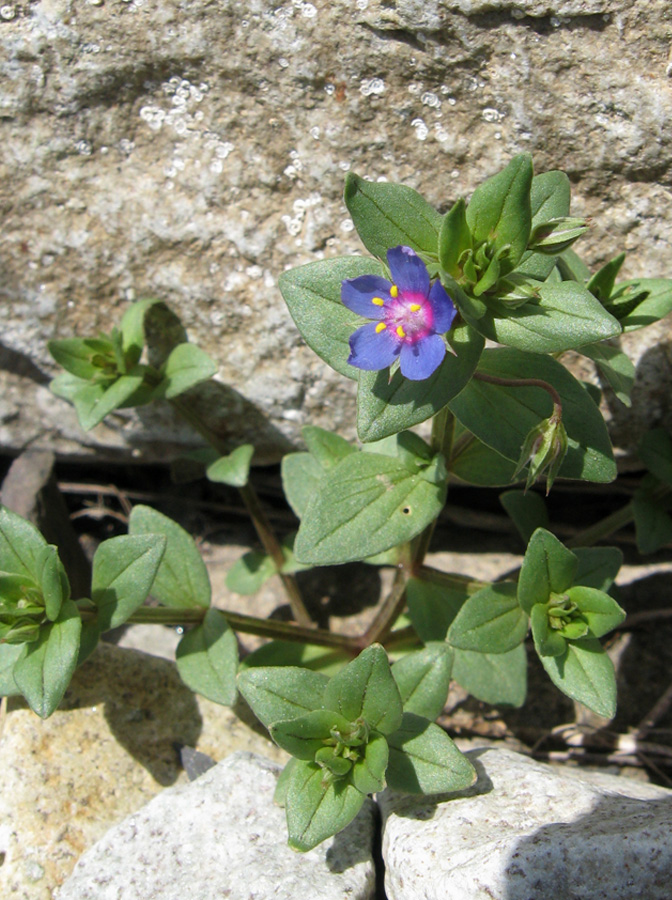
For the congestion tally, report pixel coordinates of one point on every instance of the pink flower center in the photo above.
(409, 317)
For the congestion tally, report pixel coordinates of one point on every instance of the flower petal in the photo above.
(419, 360)
(373, 350)
(409, 272)
(442, 307)
(357, 294)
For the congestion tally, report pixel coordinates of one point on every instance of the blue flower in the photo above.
(409, 317)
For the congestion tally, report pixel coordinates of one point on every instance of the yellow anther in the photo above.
(394, 291)
(381, 326)
(415, 307)
(377, 301)
(400, 331)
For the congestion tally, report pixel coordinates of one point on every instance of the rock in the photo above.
(193, 152)
(104, 754)
(222, 836)
(529, 830)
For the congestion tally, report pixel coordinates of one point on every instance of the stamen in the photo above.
(377, 301)
(415, 307)
(394, 291)
(381, 326)
(400, 331)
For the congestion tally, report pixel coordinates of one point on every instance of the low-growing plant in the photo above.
(408, 325)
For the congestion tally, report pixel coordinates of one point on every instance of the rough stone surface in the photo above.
(530, 830)
(193, 151)
(104, 754)
(222, 836)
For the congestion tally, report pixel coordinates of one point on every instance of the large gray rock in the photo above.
(194, 151)
(222, 836)
(528, 830)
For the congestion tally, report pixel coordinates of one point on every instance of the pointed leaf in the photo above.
(654, 306)
(655, 451)
(233, 469)
(182, 578)
(301, 474)
(498, 678)
(53, 581)
(9, 656)
(548, 566)
(597, 567)
(432, 607)
(614, 366)
(491, 621)
(527, 510)
(502, 417)
(423, 679)
(132, 329)
(281, 693)
(313, 296)
(366, 689)
(95, 401)
(387, 215)
(44, 673)
(186, 366)
(21, 545)
(326, 447)
(366, 504)
(305, 735)
(123, 571)
(424, 760)
(602, 282)
(317, 809)
(454, 238)
(601, 610)
(207, 659)
(385, 406)
(475, 463)
(248, 574)
(75, 355)
(368, 772)
(585, 673)
(653, 524)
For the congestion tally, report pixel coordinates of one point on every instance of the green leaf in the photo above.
(424, 760)
(585, 673)
(601, 610)
(249, 573)
(281, 693)
(499, 211)
(182, 578)
(655, 451)
(325, 447)
(432, 607)
(654, 306)
(88, 641)
(565, 317)
(549, 197)
(527, 510)
(368, 772)
(653, 524)
(367, 504)
(186, 366)
(9, 656)
(233, 469)
(365, 688)
(454, 238)
(547, 641)
(301, 474)
(475, 463)
(597, 567)
(387, 215)
(53, 581)
(95, 401)
(317, 809)
(21, 545)
(491, 621)
(602, 282)
(75, 355)
(548, 567)
(423, 679)
(502, 417)
(291, 653)
(313, 296)
(385, 406)
(305, 735)
(44, 673)
(615, 367)
(124, 569)
(497, 678)
(282, 785)
(132, 329)
(207, 659)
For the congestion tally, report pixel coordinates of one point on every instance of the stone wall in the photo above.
(193, 149)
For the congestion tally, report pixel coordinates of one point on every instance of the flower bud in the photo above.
(544, 449)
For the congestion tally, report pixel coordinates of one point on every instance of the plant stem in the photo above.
(524, 382)
(449, 580)
(604, 528)
(259, 518)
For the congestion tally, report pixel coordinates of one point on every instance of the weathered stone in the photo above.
(222, 836)
(105, 753)
(530, 830)
(193, 152)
